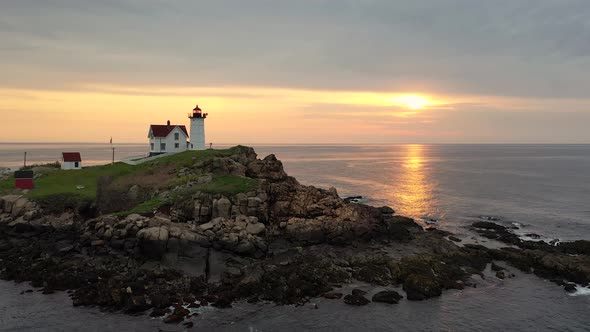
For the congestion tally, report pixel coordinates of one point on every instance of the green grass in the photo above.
(55, 184)
(145, 207)
(187, 158)
(60, 182)
(229, 185)
(7, 186)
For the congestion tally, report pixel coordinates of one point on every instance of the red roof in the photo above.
(71, 156)
(164, 130)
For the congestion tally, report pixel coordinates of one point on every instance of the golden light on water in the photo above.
(415, 188)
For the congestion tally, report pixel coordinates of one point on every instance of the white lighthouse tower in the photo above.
(197, 138)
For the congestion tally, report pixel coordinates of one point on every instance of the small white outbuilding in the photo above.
(71, 160)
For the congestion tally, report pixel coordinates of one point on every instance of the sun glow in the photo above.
(413, 102)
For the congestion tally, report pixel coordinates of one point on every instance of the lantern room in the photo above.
(197, 113)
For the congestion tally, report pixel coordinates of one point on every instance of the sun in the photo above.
(413, 102)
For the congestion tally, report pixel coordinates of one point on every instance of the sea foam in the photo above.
(580, 291)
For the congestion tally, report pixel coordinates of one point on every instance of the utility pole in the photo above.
(25, 159)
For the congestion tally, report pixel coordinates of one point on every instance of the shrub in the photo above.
(58, 203)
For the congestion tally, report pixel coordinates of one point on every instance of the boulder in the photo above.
(570, 288)
(8, 201)
(245, 247)
(19, 207)
(388, 296)
(64, 247)
(223, 207)
(421, 287)
(358, 292)
(20, 226)
(357, 300)
(309, 231)
(206, 226)
(153, 241)
(332, 295)
(386, 210)
(255, 228)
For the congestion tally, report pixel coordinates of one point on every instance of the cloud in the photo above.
(526, 48)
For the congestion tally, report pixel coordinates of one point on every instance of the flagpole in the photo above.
(113, 148)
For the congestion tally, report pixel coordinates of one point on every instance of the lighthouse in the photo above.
(197, 138)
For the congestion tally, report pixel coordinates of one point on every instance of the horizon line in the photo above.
(304, 144)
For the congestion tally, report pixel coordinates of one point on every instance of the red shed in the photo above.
(23, 179)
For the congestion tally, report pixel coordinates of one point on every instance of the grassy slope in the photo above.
(59, 182)
(7, 185)
(65, 182)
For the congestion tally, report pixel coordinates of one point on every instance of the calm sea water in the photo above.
(544, 188)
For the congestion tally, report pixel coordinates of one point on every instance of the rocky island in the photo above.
(219, 226)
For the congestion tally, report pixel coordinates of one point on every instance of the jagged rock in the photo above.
(269, 168)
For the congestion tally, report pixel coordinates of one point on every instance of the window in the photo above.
(176, 136)
(176, 145)
(162, 146)
(152, 146)
(76, 164)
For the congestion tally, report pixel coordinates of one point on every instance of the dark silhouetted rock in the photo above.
(357, 300)
(391, 297)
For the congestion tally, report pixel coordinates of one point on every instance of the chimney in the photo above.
(168, 123)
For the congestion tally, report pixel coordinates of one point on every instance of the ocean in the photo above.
(545, 189)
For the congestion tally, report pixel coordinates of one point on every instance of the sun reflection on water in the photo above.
(414, 187)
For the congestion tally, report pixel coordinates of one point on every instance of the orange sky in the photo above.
(94, 113)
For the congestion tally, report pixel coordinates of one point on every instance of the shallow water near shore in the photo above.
(523, 303)
(543, 188)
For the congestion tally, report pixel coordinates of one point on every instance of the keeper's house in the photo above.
(71, 160)
(167, 138)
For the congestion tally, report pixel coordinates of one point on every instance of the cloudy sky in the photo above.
(305, 71)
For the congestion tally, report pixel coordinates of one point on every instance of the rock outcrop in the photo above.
(278, 241)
